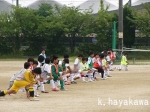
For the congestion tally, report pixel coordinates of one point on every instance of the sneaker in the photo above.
(103, 78)
(84, 81)
(44, 92)
(73, 82)
(109, 76)
(95, 79)
(66, 83)
(34, 99)
(55, 89)
(111, 70)
(36, 95)
(90, 81)
(2, 94)
(63, 89)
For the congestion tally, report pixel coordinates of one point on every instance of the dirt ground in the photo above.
(128, 87)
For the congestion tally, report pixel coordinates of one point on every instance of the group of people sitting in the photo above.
(59, 73)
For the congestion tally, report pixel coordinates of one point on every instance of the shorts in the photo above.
(44, 75)
(19, 84)
(94, 69)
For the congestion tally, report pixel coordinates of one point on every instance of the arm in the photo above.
(126, 60)
(75, 67)
(69, 69)
(60, 65)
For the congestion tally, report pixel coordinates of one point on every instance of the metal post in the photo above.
(114, 36)
(129, 3)
(17, 2)
(121, 25)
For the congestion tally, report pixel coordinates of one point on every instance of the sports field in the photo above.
(126, 91)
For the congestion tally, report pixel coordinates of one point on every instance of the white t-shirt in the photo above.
(97, 60)
(46, 68)
(108, 58)
(60, 63)
(67, 65)
(94, 59)
(103, 62)
(39, 64)
(77, 63)
(19, 75)
(125, 59)
(89, 60)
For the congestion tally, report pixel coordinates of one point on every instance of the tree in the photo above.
(129, 27)
(51, 28)
(103, 26)
(142, 20)
(10, 31)
(75, 22)
(28, 22)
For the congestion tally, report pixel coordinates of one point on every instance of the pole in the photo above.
(121, 25)
(114, 36)
(129, 3)
(17, 2)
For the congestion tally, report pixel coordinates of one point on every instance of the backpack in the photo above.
(96, 65)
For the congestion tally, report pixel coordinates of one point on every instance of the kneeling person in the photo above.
(55, 72)
(25, 80)
(85, 70)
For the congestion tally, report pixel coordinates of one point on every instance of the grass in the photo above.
(25, 58)
(72, 58)
(14, 59)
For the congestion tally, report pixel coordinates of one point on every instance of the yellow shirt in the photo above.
(105, 63)
(84, 67)
(29, 77)
(124, 60)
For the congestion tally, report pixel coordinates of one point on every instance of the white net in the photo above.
(135, 56)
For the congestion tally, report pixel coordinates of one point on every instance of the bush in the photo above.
(86, 48)
(4, 49)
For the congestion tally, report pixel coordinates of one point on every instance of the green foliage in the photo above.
(47, 26)
(103, 26)
(5, 48)
(74, 22)
(86, 48)
(129, 27)
(143, 20)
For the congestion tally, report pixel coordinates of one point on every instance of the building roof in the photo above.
(36, 4)
(5, 5)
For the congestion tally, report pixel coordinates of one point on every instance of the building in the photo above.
(5, 5)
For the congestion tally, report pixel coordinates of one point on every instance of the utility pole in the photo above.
(129, 3)
(17, 2)
(120, 25)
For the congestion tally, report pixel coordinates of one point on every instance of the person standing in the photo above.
(124, 62)
(44, 55)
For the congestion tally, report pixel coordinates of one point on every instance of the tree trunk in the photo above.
(72, 43)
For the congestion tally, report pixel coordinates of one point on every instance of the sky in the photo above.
(25, 3)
